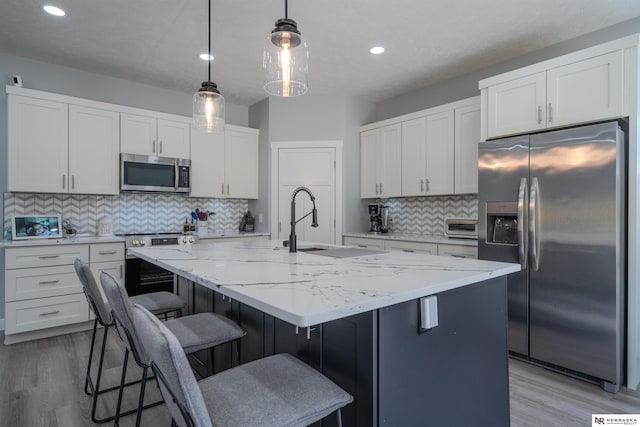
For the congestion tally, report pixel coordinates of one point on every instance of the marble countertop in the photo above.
(78, 240)
(423, 238)
(305, 289)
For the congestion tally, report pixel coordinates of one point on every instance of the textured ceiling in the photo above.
(158, 41)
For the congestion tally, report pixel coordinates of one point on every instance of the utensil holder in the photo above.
(202, 228)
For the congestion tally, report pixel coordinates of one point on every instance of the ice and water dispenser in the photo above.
(502, 223)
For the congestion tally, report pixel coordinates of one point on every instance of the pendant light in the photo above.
(208, 103)
(286, 59)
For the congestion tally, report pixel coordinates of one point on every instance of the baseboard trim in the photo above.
(1, 324)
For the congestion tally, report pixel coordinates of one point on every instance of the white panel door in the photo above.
(390, 161)
(207, 164)
(467, 137)
(369, 168)
(138, 134)
(517, 106)
(37, 146)
(241, 164)
(173, 139)
(93, 150)
(439, 153)
(414, 154)
(587, 90)
(313, 168)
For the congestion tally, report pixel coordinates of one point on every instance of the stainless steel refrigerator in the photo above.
(555, 203)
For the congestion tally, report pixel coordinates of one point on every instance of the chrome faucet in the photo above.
(293, 247)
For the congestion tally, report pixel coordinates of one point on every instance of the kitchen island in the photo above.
(357, 320)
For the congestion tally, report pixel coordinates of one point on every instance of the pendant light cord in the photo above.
(209, 41)
(286, 9)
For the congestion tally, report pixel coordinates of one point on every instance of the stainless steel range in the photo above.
(143, 277)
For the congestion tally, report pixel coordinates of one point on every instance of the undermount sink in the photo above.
(340, 252)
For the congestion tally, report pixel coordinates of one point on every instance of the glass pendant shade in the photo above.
(208, 109)
(285, 61)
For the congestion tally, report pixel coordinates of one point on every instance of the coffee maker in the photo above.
(374, 218)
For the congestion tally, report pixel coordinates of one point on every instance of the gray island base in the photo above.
(453, 374)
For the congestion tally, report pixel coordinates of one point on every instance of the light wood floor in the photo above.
(41, 385)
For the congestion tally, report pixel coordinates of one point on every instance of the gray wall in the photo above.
(466, 85)
(68, 81)
(307, 119)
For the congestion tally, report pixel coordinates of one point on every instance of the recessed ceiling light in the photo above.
(206, 57)
(55, 11)
(376, 50)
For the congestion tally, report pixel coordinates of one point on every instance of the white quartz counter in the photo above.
(78, 240)
(305, 289)
(422, 238)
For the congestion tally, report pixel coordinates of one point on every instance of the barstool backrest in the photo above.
(170, 364)
(122, 312)
(96, 301)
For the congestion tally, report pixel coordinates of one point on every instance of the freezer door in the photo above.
(503, 175)
(576, 249)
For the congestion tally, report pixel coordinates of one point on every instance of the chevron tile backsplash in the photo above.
(130, 212)
(425, 215)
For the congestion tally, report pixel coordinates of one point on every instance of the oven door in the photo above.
(151, 173)
(142, 277)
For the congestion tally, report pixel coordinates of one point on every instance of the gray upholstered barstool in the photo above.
(278, 390)
(195, 332)
(157, 302)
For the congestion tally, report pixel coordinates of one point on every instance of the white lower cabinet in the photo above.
(443, 249)
(458, 251)
(363, 242)
(42, 289)
(419, 247)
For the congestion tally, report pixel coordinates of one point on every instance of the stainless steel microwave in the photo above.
(151, 173)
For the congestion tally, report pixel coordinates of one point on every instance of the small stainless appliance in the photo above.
(151, 173)
(384, 219)
(555, 203)
(142, 277)
(374, 217)
(461, 228)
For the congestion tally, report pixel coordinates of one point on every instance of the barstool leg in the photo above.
(141, 400)
(93, 342)
(339, 418)
(120, 393)
(96, 391)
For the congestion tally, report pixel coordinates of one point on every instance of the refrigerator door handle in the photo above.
(534, 199)
(523, 245)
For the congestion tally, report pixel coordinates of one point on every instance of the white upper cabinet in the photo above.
(381, 160)
(414, 154)
(467, 137)
(38, 142)
(93, 150)
(55, 147)
(517, 105)
(225, 165)
(153, 136)
(577, 88)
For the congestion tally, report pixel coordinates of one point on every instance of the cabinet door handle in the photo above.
(222, 188)
(426, 182)
(153, 144)
(376, 188)
(49, 282)
(539, 115)
(227, 189)
(121, 271)
(48, 256)
(380, 188)
(107, 252)
(362, 246)
(279, 226)
(422, 185)
(64, 181)
(49, 313)
(73, 182)
(550, 115)
(408, 250)
(160, 147)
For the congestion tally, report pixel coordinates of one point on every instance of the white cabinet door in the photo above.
(241, 164)
(517, 106)
(439, 179)
(363, 242)
(93, 150)
(369, 183)
(390, 161)
(207, 164)
(414, 172)
(467, 137)
(38, 132)
(587, 90)
(138, 134)
(173, 139)
(418, 247)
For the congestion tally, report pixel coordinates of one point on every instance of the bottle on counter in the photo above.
(186, 227)
(192, 228)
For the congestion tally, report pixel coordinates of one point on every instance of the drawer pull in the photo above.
(50, 282)
(362, 246)
(49, 256)
(456, 255)
(107, 252)
(49, 313)
(408, 250)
